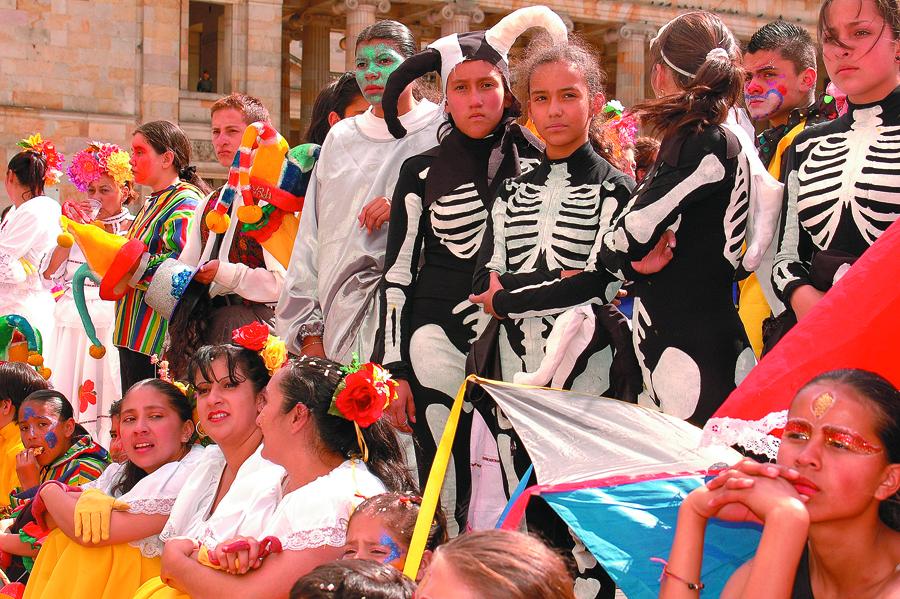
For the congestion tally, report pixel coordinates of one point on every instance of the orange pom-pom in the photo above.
(250, 214)
(217, 222)
(65, 240)
(97, 351)
(46, 372)
(35, 359)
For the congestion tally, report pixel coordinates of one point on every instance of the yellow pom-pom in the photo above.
(249, 214)
(217, 222)
(35, 359)
(65, 240)
(46, 372)
(97, 351)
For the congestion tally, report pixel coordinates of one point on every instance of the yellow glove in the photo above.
(92, 514)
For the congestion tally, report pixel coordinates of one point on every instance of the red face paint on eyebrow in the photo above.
(798, 426)
(851, 441)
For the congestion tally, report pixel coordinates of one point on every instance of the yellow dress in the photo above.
(155, 588)
(66, 569)
(10, 446)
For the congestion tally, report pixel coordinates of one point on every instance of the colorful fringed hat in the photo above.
(271, 180)
(20, 342)
(99, 159)
(446, 53)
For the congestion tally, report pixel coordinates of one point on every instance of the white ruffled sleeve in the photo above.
(106, 481)
(155, 494)
(244, 509)
(317, 514)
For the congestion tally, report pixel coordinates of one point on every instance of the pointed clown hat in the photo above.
(111, 257)
(20, 342)
(271, 180)
(446, 53)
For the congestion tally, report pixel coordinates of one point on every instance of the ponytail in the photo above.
(165, 136)
(312, 382)
(704, 60)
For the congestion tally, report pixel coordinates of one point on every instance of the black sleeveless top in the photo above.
(802, 586)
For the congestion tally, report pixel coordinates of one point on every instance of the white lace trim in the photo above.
(150, 547)
(310, 539)
(752, 435)
(151, 505)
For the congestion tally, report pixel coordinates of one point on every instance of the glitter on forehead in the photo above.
(821, 403)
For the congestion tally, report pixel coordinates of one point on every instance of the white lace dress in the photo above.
(317, 513)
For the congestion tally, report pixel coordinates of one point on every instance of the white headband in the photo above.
(713, 54)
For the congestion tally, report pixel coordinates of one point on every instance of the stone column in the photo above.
(631, 68)
(360, 14)
(315, 68)
(456, 18)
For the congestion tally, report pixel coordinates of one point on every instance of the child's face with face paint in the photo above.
(375, 61)
(368, 538)
(40, 427)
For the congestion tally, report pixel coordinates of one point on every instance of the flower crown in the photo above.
(100, 159)
(255, 336)
(35, 143)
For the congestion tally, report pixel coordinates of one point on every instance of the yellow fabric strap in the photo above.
(434, 484)
(439, 471)
(363, 448)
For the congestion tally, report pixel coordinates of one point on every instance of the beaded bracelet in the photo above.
(666, 573)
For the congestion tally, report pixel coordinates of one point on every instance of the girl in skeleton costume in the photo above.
(688, 337)
(842, 177)
(443, 198)
(539, 260)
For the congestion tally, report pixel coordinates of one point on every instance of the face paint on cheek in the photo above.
(392, 546)
(852, 441)
(380, 61)
(821, 403)
(51, 439)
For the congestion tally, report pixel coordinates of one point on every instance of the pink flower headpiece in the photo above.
(99, 159)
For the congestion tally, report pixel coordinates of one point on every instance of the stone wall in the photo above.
(79, 70)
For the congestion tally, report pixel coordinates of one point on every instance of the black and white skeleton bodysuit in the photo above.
(842, 193)
(689, 340)
(441, 204)
(543, 223)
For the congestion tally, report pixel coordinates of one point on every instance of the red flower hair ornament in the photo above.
(255, 337)
(362, 396)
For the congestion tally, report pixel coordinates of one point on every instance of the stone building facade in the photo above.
(77, 70)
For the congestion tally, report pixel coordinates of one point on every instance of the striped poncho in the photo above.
(162, 224)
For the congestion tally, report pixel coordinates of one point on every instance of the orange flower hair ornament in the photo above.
(255, 337)
(35, 143)
(362, 396)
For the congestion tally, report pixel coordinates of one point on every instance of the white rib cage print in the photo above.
(458, 219)
(556, 219)
(855, 170)
(736, 212)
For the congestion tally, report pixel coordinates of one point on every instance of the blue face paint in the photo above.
(390, 544)
(28, 412)
(51, 439)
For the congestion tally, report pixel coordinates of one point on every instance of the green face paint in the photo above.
(374, 64)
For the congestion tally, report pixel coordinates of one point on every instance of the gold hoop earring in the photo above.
(200, 432)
